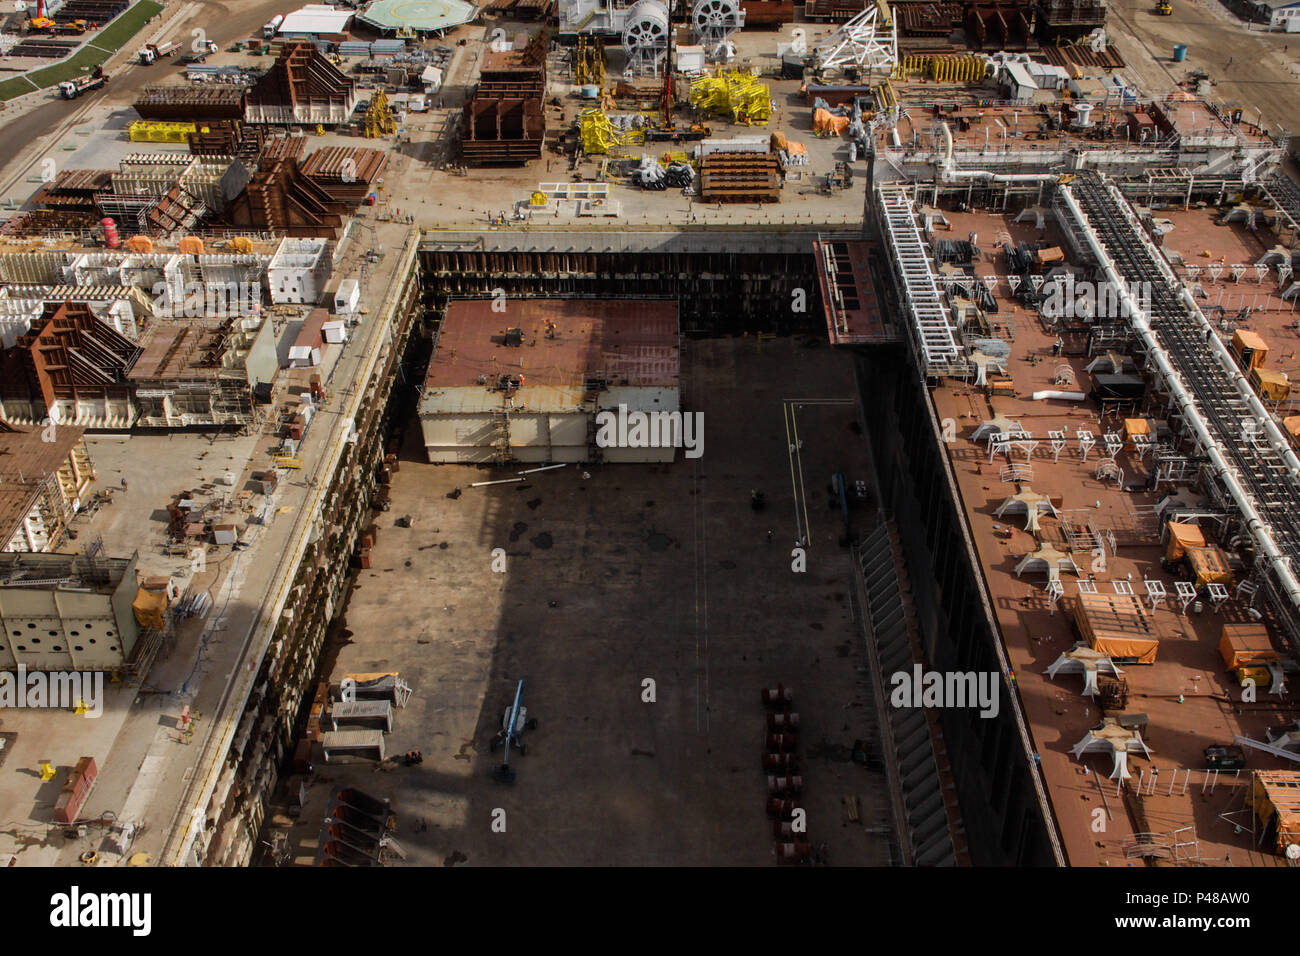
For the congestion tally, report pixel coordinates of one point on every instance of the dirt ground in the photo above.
(1251, 68)
(616, 576)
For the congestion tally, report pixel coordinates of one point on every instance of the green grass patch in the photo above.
(108, 42)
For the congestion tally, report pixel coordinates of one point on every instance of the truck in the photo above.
(41, 23)
(153, 52)
(71, 89)
(201, 56)
(269, 31)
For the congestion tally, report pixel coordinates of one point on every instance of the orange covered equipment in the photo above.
(1209, 565)
(826, 123)
(1246, 645)
(1181, 537)
(1118, 626)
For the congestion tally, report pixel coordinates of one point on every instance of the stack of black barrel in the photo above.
(784, 783)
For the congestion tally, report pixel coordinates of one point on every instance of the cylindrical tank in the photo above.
(1082, 115)
(110, 233)
(591, 91)
(1180, 52)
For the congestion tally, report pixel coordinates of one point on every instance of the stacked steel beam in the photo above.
(767, 12)
(95, 12)
(185, 103)
(346, 173)
(740, 177)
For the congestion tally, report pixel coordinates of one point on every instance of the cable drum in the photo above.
(714, 21)
(645, 36)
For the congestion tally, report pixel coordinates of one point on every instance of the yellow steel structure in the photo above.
(599, 135)
(943, 69)
(740, 94)
(156, 131)
(886, 96)
(379, 117)
(589, 61)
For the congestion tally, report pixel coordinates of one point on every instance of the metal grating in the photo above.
(1285, 196)
(1263, 472)
(931, 324)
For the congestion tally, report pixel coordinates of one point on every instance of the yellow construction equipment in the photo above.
(157, 131)
(284, 461)
(379, 117)
(739, 94)
(47, 771)
(599, 135)
(1164, 9)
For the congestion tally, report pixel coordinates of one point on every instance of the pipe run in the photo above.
(1140, 323)
(1064, 396)
(949, 173)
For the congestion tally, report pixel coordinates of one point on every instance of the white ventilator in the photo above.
(714, 21)
(862, 42)
(798, 44)
(645, 37)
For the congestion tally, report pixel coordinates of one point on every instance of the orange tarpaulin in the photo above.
(1136, 426)
(1181, 537)
(1275, 796)
(1242, 645)
(1209, 565)
(828, 124)
(1117, 625)
(149, 608)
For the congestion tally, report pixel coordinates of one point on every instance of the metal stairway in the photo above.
(930, 319)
